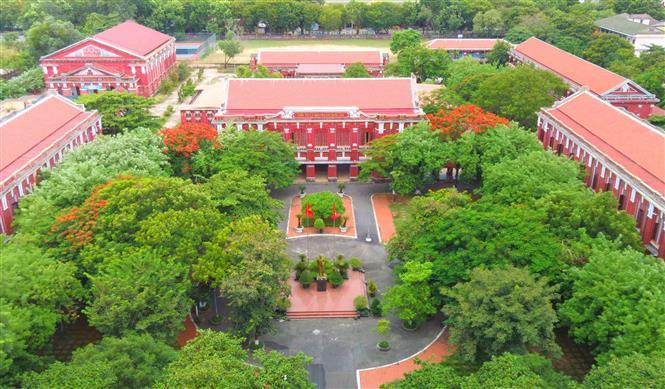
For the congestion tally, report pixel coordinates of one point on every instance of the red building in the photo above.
(331, 121)
(34, 139)
(303, 64)
(621, 154)
(578, 73)
(127, 57)
(477, 48)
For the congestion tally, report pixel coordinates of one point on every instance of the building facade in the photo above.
(642, 31)
(620, 153)
(315, 64)
(476, 48)
(128, 57)
(330, 121)
(578, 73)
(34, 139)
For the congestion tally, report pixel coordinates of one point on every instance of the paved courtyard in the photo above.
(340, 346)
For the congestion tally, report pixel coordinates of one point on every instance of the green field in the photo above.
(253, 46)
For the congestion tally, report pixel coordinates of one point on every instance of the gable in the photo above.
(91, 70)
(629, 88)
(89, 49)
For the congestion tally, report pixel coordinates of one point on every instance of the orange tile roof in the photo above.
(319, 57)
(371, 95)
(25, 135)
(133, 37)
(463, 44)
(569, 66)
(626, 140)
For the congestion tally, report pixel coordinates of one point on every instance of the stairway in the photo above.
(296, 315)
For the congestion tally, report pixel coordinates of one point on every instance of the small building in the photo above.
(206, 102)
(35, 138)
(640, 30)
(330, 121)
(194, 46)
(476, 48)
(127, 57)
(577, 72)
(621, 154)
(302, 64)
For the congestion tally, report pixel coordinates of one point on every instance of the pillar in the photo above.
(310, 173)
(332, 172)
(286, 135)
(332, 153)
(353, 172)
(310, 145)
(354, 145)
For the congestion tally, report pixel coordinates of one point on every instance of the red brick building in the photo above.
(331, 121)
(578, 73)
(34, 139)
(621, 154)
(127, 57)
(476, 48)
(303, 64)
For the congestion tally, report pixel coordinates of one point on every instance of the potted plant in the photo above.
(341, 187)
(319, 224)
(356, 263)
(383, 329)
(335, 278)
(371, 288)
(321, 278)
(376, 308)
(306, 278)
(299, 227)
(360, 303)
(302, 191)
(300, 266)
(342, 266)
(342, 225)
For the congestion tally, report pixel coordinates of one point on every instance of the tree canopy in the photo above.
(122, 111)
(356, 70)
(401, 40)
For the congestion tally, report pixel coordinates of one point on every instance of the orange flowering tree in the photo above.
(184, 140)
(451, 124)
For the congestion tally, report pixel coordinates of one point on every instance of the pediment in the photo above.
(91, 70)
(91, 51)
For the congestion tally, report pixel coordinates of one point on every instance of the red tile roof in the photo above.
(371, 95)
(28, 133)
(569, 66)
(463, 44)
(267, 58)
(133, 37)
(320, 68)
(629, 142)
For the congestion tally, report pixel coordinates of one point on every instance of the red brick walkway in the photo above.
(384, 217)
(188, 333)
(373, 378)
(296, 209)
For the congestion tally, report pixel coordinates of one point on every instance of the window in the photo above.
(607, 186)
(655, 232)
(640, 218)
(367, 137)
(622, 199)
(551, 142)
(559, 149)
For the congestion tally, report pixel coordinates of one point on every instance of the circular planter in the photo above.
(343, 229)
(216, 320)
(378, 345)
(340, 194)
(299, 229)
(302, 195)
(405, 328)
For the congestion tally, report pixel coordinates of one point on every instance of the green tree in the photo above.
(488, 24)
(400, 40)
(651, 7)
(134, 361)
(280, 371)
(322, 204)
(247, 260)
(95, 22)
(356, 70)
(630, 371)
(48, 35)
(411, 158)
(355, 13)
(520, 372)
(528, 177)
(618, 303)
(607, 48)
(260, 72)
(230, 47)
(237, 194)
(38, 292)
(424, 63)
(519, 93)
(332, 17)
(411, 299)
(499, 54)
(380, 16)
(498, 310)
(139, 291)
(430, 375)
(122, 111)
(260, 153)
(31, 80)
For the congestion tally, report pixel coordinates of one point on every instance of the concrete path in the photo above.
(340, 346)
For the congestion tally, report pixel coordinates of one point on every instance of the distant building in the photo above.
(577, 72)
(194, 46)
(331, 121)
(476, 48)
(620, 153)
(128, 57)
(303, 64)
(640, 30)
(34, 139)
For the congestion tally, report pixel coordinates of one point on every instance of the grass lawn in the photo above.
(253, 46)
(398, 208)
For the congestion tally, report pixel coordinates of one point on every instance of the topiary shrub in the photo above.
(335, 278)
(322, 204)
(300, 267)
(306, 278)
(356, 263)
(360, 302)
(376, 308)
(342, 266)
(319, 224)
(372, 288)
